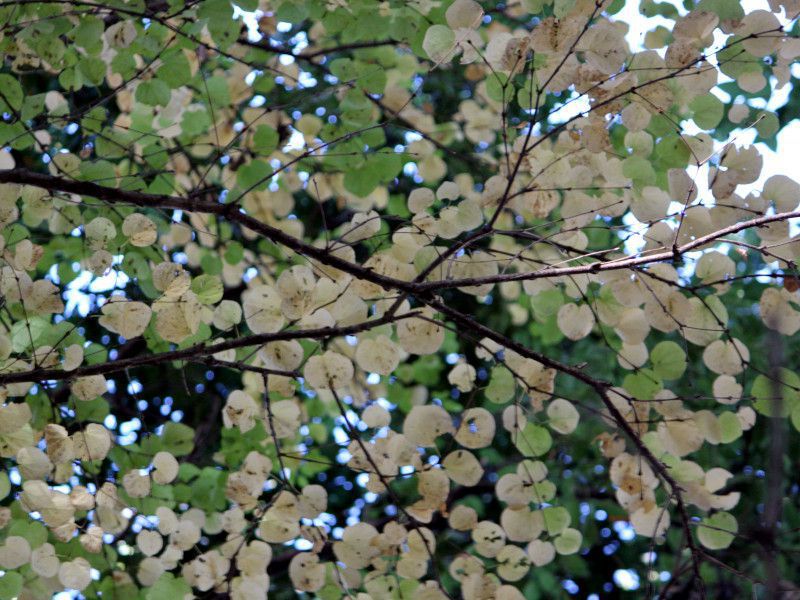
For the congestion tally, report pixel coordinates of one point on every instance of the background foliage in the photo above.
(402, 299)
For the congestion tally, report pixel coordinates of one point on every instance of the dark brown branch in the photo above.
(194, 352)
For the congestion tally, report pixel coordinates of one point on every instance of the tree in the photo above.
(396, 300)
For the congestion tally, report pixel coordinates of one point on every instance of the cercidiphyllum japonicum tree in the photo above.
(396, 300)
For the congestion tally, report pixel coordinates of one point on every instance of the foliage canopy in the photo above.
(403, 299)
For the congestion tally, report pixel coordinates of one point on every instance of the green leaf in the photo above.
(717, 531)
(234, 253)
(215, 10)
(195, 122)
(764, 392)
(89, 34)
(71, 79)
(372, 78)
(255, 175)
(12, 97)
(730, 427)
(224, 32)
(209, 489)
(211, 263)
(569, 542)
(188, 471)
(652, 9)
(177, 438)
(168, 588)
(124, 64)
(427, 370)
(218, 93)
(344, 69)
(671, 152)
(556, 519)
(726, 9)
(643, 385)
(264, 84)
(639, 170)
(385, 164)
(93, 69)
(543, 491)
(51, 49)
(10, 585)
(361, 182)
(93, 411)
(25, 334)
(357, 112)
(33, 531)
(546, 304)
(175, 71)
(668, 360)
(292, 12)
(153, 93)
(498, 87)
(501, 385)
(5, 485)
(767, 125)
(533, 440)
(208, 288)
(15, 135)
(265, 140)
(708, 110)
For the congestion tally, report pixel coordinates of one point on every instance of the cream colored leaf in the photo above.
(89, 388)
(378, 355)
(73, 357)
(439, 43)
(262, 309)
(136, 484)
(477, 428)
(462, 376)
(512, 563)
(128, 319)
(376, 416)
(726, 357)
(489, 538)
(463, 468)
(563, 416)
(330, 370)
(149, 542)
(15, 552)
(419, 199)
(240, 411)
(420, 336)
(463, 518)
(575, 321)
(306, 572)
(650, 521)
(44, 561)
(424, 424)
(541, 553)
(295, 286)
(464, 13)
(75, 574)
(361, 227)
(227, 314)
(140, 230)
(93, 443)
(165, 468)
